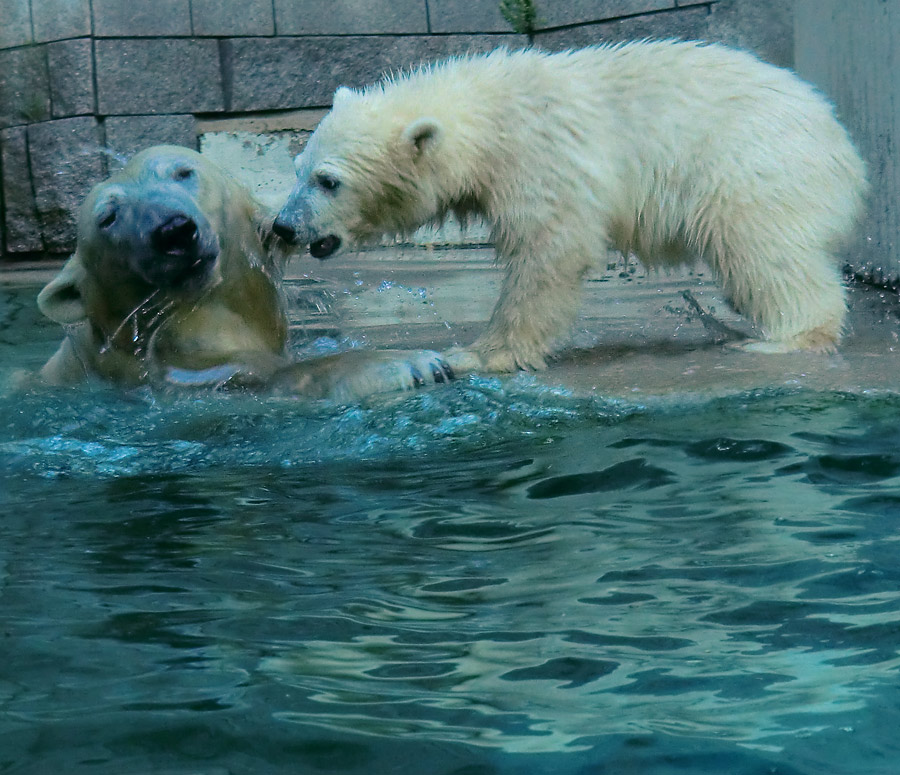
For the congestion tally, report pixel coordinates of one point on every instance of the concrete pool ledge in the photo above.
(638, 337)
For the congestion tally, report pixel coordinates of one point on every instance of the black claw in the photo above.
(448, 370)
(437, 373)
(418, 379)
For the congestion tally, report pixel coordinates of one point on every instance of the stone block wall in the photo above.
(86, 83)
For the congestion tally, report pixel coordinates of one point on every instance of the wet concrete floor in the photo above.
(638, 335)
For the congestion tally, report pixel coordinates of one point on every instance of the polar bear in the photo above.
(668, 150)
(175, 281)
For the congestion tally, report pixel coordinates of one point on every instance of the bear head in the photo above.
(172, 263)
(368, 170)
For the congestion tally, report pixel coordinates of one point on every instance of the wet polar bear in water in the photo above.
(175, 282)
(670, 150)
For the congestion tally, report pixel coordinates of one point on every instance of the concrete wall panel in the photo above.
(141, 18)
(71, 69)
(852, 53)
(160, 75)
(350, 17)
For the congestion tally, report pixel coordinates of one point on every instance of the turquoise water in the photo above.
(485, 578)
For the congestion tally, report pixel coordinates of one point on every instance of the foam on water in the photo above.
(105, 432)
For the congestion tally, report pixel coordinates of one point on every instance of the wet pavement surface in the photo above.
(637, 334)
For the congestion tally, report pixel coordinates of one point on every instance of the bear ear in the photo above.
(422, 134)
(61, 298)
(341, 95)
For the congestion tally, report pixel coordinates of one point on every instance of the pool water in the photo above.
(484, 578)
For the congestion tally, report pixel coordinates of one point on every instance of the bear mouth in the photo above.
(168, 248)
(178, 236)
(322, 248)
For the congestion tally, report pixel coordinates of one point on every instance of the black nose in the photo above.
(176, 236)
(284, 230)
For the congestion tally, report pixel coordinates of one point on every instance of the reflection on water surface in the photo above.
(488, 578)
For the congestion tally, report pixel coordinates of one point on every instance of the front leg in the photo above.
(250, 370)
(355, 374)
(538, 302)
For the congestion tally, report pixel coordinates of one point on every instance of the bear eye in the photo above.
(183, 173)
(107, 217)
(327, 182)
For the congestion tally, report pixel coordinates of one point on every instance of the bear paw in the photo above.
(391, 371)
(804, 342)
(493, 360)
(356, 374)
(464, 361)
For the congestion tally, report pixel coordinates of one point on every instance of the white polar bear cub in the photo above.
(670, 150)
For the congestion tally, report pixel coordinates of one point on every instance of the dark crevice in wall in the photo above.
(96, 89)
(46, 53)
(104, 157)
(306, 36)
(55, 40)
(2, 205)
(31, 19)
(30, 172)
(226, 69)
(95, 82)
(624, 17)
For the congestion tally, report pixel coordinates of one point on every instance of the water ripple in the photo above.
(492, 568)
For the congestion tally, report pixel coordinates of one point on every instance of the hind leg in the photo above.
(793, 292)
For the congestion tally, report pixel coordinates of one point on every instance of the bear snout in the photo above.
(171, 247)
(322, 248)
(175, 237)
(284, 230)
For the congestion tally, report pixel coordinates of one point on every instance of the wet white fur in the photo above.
(667, 149)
